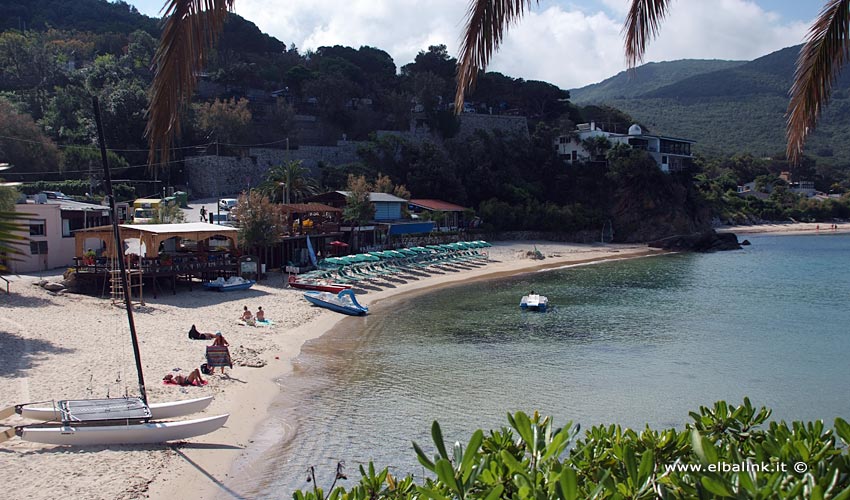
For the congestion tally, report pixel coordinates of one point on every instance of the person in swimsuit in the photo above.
(193, 378)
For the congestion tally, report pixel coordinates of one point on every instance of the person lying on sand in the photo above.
(194, 334)
(193, 378)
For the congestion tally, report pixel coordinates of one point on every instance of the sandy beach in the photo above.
(789, 228)
(76, 346)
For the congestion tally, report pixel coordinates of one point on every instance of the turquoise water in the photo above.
(630, 342)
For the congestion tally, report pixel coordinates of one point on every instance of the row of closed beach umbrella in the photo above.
(402, 253)
(352, 268)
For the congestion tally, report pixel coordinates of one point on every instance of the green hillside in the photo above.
(647, 78)
(739, 108)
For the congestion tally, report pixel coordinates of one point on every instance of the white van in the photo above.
(227, 203)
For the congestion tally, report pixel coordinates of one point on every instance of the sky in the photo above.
(570, 43)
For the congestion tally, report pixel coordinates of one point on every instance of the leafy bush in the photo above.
(123, 192)
(724, 453)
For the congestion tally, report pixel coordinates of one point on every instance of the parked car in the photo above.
(227, 203)
(56, 195)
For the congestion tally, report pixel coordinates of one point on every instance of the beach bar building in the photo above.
(173, 252)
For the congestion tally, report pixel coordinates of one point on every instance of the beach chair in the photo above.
(218, 355)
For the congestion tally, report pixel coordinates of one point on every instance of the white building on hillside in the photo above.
(670, 153)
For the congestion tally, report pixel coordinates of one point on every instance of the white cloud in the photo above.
(558, 42)
(569, 49)
(722, 29)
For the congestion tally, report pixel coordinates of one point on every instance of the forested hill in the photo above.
(647, 78)
(95, 16)
(738, 108)
(101, 17)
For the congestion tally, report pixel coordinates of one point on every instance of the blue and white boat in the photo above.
(343, 302)
(230, 284)
(534, 302)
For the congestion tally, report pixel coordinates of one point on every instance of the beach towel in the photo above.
(218, 355)
(267, 322)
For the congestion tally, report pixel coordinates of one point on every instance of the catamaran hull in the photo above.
(152, 432)
(159, 411)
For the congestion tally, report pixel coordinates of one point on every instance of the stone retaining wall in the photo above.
(215, 176)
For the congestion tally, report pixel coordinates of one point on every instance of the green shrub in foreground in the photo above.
(739, 458)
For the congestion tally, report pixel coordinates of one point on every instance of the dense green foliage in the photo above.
(519, 183)
(725, 452)
(771, 200)
(78, 188)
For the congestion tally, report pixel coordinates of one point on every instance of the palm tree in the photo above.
(819, 63)
(191, 29)
(291, 181)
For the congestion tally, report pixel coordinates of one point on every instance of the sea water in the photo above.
(633, 342)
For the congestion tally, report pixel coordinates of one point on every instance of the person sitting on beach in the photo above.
(194, 334)
(220, 340)
(193, 378)
(247, 317)
(261, 315)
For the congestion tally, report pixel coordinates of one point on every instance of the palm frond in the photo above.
(486, 23)
(641, 27)
(818, 65)
(191, 29)
(12, 235)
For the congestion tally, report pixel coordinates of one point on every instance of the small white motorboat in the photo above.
(534, 302)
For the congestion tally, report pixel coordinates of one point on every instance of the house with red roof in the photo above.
(448, 216)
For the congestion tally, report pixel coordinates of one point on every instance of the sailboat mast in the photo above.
(119, 249)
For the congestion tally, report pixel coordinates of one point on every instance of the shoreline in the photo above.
(222, 464)
(788, 228)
